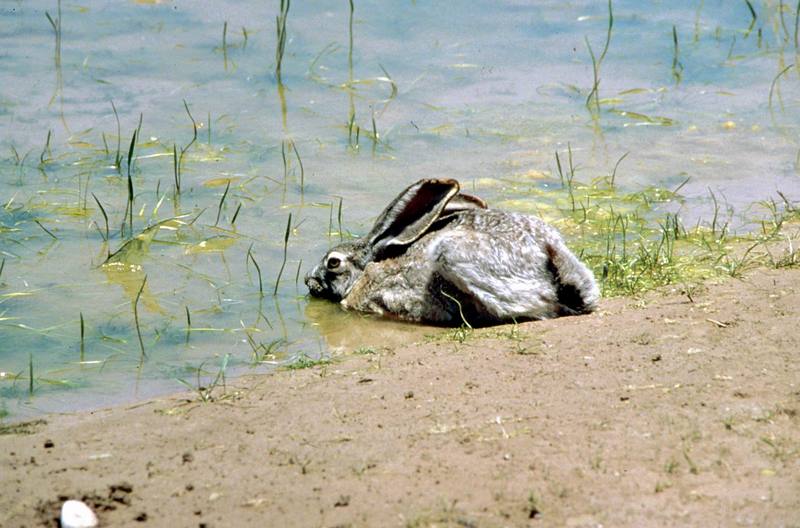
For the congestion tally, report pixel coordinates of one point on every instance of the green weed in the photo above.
(205, 392)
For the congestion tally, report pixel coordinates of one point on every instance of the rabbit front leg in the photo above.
(400, 288)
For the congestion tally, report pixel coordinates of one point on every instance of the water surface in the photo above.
(486, 92)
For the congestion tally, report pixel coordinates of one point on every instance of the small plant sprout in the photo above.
(225, 44)
(46, 230)
(616, 166)
(30, 373)
(179, 165)
(129, 209)
(374, 132)
(57, 33)
(464, 321)
(176, 169)
(280, 46)
(339, 218)
(205, 392)
(222, 201)
(677, 67)
(258, 269)
(285, 249)
(46, 154)
(297, 273)
(774, 84)
(796, 25)
(56, 24)
(594, 94)
(188, 323)
(285, 163)
(236, 214)
(143, 355)
(300, 163)
(118, 155)
(753, 17)
(305, 362)
(83, 333)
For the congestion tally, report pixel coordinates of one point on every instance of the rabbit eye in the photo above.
(333, 263)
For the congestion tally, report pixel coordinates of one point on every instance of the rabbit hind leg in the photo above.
(503, 282)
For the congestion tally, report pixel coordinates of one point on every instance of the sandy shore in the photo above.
(669, 410)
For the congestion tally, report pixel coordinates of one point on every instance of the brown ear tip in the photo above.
(474, 200)
(440, 181)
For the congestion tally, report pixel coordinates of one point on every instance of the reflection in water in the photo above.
(346, 332)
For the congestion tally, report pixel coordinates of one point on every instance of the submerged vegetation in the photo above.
(185, 254)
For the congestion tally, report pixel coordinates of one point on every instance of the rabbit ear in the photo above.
(463, 202)
(409, 215)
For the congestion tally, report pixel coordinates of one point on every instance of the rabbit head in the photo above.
(407, 218)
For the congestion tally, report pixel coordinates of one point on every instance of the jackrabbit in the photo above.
(437, 256)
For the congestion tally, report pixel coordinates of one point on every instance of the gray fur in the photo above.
(491, 266)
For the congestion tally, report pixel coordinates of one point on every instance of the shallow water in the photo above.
(483, 91)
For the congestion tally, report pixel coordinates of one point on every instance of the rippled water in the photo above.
(483, 91)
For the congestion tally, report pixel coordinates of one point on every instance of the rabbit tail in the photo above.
(576, 289)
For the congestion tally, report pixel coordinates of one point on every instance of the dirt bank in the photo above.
(669, 410)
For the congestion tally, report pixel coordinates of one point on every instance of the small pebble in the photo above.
(76, 514)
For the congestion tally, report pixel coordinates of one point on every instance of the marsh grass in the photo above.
(280, 37)
(47, 154)
(118, 154)
(285, 251)
(753, 17)
(252, 259)
(178, 159)
(30, 373)
(83, 340)
(772, 87)
(222, 202)
(593, 99)
(176, 169)
(205, 391)
(677, 66)
(46, 230)
(57, 33)
(131, 194)
(56, 25)
(633, 245)
(302, 170)
(616, 166)
(143, 355)
(264, 352)
(225, 44)
(236, 214)
(796, 25)
(304, 362)
(188, 323)
(464, 321)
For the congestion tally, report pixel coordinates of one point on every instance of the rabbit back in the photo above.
(489, 266)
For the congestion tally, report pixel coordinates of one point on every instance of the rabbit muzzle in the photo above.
(315, 286)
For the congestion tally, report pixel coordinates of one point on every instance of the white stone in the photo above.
(76, 514)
